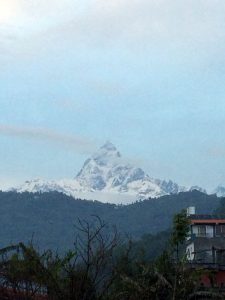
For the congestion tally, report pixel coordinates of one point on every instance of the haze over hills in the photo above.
(220, 191)
(107, 177)
(49, 218)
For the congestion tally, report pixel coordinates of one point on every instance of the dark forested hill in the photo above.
(49, 218)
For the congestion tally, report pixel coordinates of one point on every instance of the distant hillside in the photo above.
(50, 217)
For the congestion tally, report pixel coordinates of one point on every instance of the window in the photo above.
(201, 230)
(220, 229)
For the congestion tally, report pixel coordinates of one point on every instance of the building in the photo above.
(205, 246)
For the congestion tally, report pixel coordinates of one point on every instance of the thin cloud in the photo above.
(192, 27)
(71, 142)
(188, 22)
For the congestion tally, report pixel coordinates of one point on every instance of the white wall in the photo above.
(190, 252)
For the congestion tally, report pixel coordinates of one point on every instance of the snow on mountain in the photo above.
(65, 186)
(107, 171)
(106, 177)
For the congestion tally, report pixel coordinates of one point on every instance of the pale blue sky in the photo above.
(148, 75)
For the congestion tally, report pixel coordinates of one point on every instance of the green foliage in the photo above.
(180, 231)
(101, 267)
(179, 234)
(150, 246)
(82, 274)
(164, 278)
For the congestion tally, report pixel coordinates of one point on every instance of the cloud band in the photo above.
(73, 142)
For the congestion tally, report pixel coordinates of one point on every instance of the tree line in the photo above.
(102, 266)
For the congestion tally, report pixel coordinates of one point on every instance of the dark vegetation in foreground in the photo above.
(102, 264)
(101, 267)
(48, 218)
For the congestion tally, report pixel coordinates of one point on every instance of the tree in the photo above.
(181, 227)
(85, 273)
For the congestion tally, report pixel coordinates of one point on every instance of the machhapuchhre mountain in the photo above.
(107, 177)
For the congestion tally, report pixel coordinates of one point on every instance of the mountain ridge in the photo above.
(107, 177)
(48, 219)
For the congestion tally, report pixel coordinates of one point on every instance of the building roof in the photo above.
(207, 217)
(210, 219)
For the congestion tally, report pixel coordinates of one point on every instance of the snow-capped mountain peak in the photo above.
(107, 154)
(109, 147)
(107, 170)
(107, 177)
